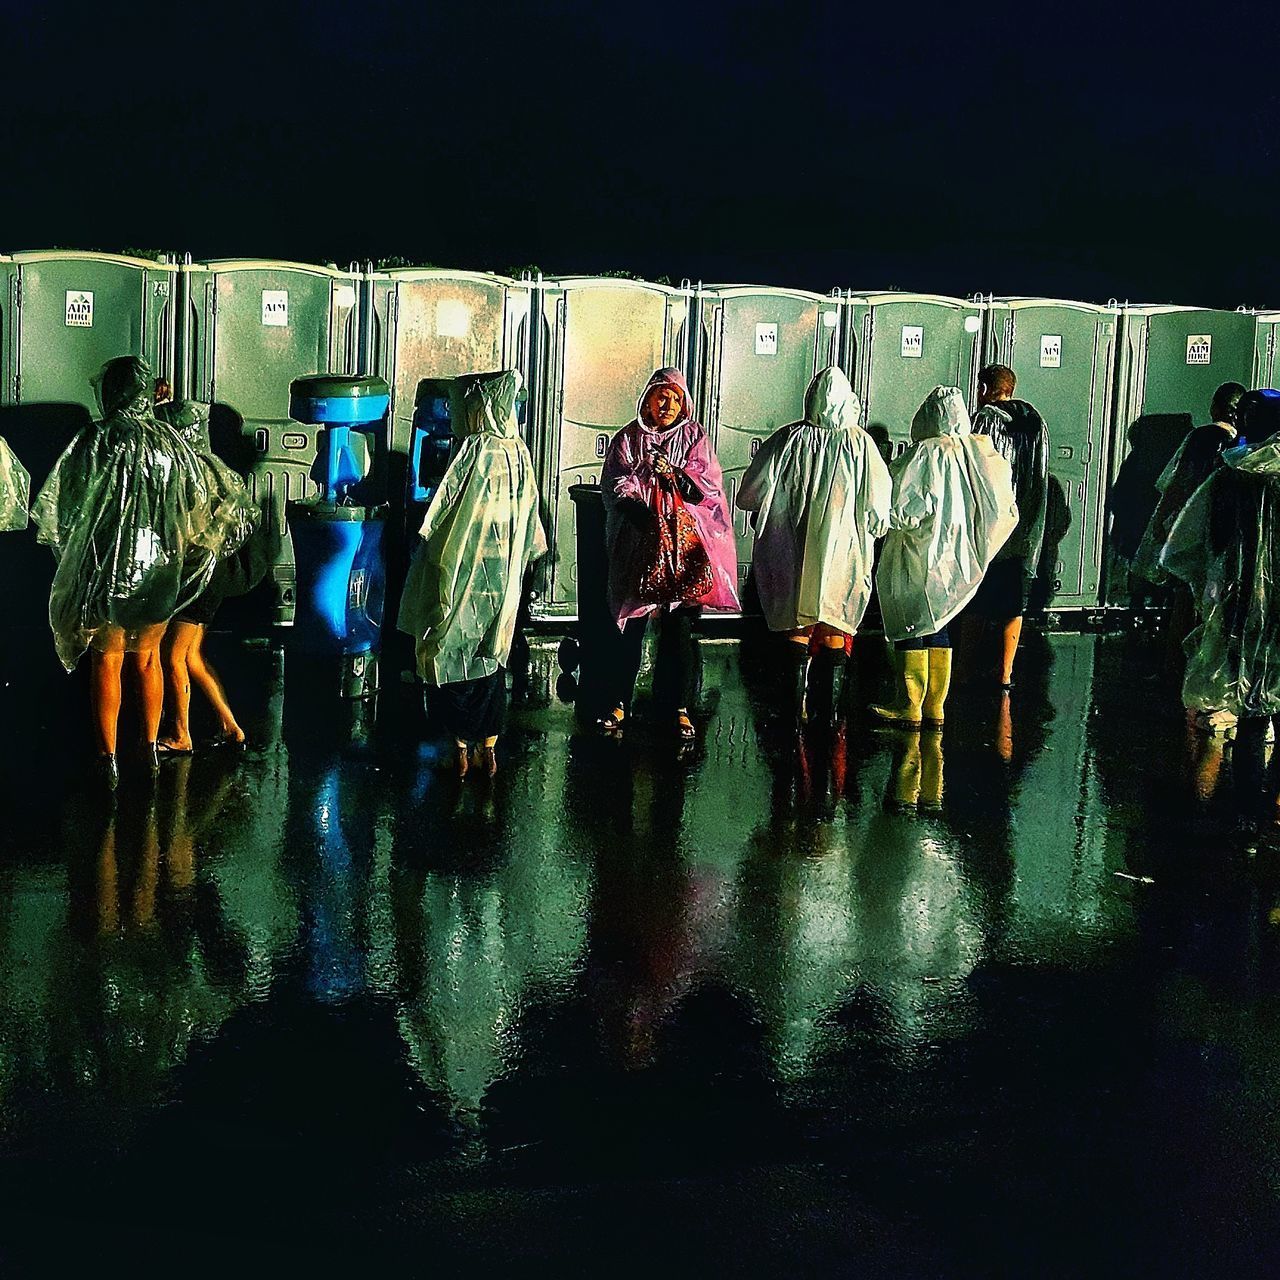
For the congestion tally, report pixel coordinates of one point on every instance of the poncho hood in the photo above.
(665, 378)
(124, 386)
(485, 404)
(830, 403)
(943, 413)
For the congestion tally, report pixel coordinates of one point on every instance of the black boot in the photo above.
(827, 686)
(797, 682)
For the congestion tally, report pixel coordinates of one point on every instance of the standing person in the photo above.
(1225, 546)
(662, 461)
(137, 533)
(953, 508)
(183, 648)
(819, 493)
(1022, 439)
(462, 593)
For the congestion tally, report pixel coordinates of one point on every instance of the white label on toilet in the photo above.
(79, 309)
(1051, 351)
(912, 341)
(1199, 348)
(766, 339)
(275, 307)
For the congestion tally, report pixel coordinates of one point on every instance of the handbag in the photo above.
(675, 566)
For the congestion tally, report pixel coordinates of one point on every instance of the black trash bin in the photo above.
(597, 631)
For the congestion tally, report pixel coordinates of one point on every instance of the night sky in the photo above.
(1086, 151)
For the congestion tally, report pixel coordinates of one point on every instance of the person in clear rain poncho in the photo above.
(1020, 436)
(953, 509)
(480, 535)
(137, 531)
(15, 486)
(1226, 547)
(664, 457)
(820, 494)
(183, 650)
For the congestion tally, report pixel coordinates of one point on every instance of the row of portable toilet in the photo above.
(237, 333)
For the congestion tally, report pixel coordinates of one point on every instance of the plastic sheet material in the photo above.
(627, 486)
(1226, 546)
(15, 487)
(134, 523)
(256, 548)
(1021, 438)
(821, 495)
(481, 533)
(953, 509)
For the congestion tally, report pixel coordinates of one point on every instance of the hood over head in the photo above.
(667, 377)
(943, 413)
(124, 385)
(1257, 415)
(485, 404)
(830, 402)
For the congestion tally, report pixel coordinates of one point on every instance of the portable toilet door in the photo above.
(71, 312)
(431, 323)
(252, 327)
(603, 339)
(759, 349)
(1265, 370)
(1063, 356)
(909, 344)
(8, 310)
(1171, 361)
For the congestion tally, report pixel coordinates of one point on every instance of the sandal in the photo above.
(164, 749)
(227, 741)
(612, 723)
(684, 727)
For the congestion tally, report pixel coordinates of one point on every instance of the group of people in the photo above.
(150, 530)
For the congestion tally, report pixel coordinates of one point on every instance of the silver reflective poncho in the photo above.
(821, 495)
(480, 534)
(15, 485)
(953, 509)
(134, 523)
(1226, 546)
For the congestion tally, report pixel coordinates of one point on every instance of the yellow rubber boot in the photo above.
(931, 709)
(931, 770)
(912, 666)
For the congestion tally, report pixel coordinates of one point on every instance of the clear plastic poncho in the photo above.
(1226, 546)
(481, 532)
(135, 525)
(821, 496)
(15, 489)
(953, 509)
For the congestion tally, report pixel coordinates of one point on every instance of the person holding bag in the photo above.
(670, 544)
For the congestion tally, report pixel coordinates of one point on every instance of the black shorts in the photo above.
(200, 612)
(1004, 591)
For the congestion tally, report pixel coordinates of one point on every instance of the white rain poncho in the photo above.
(480, 534)
(1226, 546)
(821, 495)
(953, 509)
(134, 521)
(15, 486)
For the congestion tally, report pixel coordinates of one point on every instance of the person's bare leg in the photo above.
(489, 756)
(178, 642)
(463, 749)
(107, 658)
(146, 662)
(1010, 634)
(207, 681)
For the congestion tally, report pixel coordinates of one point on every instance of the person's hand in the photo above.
(662, 466)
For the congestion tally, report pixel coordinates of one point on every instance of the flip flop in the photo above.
(164, 749)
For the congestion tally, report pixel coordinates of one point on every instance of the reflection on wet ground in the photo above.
(996, 1001)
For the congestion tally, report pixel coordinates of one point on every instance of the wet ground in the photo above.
(1003, 1002)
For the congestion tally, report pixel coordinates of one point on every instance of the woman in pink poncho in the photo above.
(663, 445)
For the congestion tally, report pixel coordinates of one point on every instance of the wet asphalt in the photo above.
(997, 1002)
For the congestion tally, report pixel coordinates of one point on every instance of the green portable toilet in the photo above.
(249, 328)
(69, 313)
(1171, 360)
(1265, 369)
(902, 345)
(754, 351)
(597, 342)
(429, 323)
(8, 294)
(1063, 355)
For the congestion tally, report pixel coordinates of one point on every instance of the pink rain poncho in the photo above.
(628, 479)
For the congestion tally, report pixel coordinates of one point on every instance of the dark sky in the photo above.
(1087, 150)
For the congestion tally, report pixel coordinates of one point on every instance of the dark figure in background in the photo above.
(663, 446)
(1226, 547)
(1022, 439)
